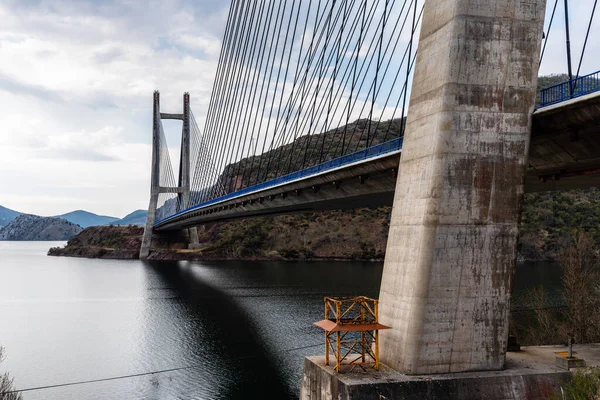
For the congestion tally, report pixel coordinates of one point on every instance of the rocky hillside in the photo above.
(121, 242)
(342, 235)
(7, 215)
(547, 221)
(548, 218)
(33, 227)
(361, 234)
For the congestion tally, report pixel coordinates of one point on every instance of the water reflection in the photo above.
(210, 330)
(221, 335)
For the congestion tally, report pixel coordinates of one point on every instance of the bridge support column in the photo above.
(154, 180)
(451, 250)
(183, 188)
(194, 238)
(184, 158)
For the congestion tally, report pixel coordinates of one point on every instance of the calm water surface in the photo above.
(226, 330)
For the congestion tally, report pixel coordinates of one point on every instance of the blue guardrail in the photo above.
(571, 89)
(371, 152)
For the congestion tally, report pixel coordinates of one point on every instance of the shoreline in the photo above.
(97, 252)
(93, 252)
(124, 242)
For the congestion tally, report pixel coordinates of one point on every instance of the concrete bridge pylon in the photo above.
(184, 180)
(451, 251)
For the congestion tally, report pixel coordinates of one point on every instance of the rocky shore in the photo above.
(360, 234)
(335, 235)
(113, 242)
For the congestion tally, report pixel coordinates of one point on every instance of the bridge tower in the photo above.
(183, 188)
(451, 251)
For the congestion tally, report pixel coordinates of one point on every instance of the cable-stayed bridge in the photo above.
(309, 111)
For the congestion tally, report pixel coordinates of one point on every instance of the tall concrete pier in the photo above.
(183, 188)
(451, 250)
(154, 180)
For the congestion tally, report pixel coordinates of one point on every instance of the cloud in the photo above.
(76, 83)
(76, 87)
(111, 54)
(14, 86)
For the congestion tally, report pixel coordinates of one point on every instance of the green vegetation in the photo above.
(549, 218)
(363, 233)
(307, 151)
(584, 385)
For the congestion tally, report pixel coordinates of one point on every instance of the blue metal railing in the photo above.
(371, 152)
(571, 89)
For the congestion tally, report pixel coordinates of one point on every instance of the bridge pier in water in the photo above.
(183, 185)
(452, 246)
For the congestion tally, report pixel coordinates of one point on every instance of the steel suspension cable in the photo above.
(229, 166)
(270, 52)
(279, 68)
(548, 32)
(213, 137)
(585, 41)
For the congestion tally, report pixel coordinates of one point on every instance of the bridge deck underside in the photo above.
(565, 146)
(368, 184)
(564, 154)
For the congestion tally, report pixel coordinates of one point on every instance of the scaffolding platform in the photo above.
(351, 332)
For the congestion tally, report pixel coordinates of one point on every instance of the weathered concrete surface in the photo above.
(452, 245)
(530, 374)
(194, 241)
(154, 181)
(184, 154)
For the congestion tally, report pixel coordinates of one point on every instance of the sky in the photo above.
(76, 84)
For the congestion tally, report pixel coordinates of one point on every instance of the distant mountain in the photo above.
(85, 218)
(33, 227)
(7, 215)
(135, 218)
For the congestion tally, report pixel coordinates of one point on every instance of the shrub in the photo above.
(6, 384)
(584, 385)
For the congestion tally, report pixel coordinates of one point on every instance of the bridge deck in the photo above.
(564, 154)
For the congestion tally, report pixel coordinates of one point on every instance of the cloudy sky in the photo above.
(76, 83)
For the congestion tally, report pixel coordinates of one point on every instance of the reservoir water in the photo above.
(104, 329)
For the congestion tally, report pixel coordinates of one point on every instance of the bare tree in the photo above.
(7, 390)
(545, 330)
(580, 288)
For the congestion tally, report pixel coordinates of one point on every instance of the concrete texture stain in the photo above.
(457, 217)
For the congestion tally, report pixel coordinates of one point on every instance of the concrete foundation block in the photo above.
(321, 382)
(569, 362)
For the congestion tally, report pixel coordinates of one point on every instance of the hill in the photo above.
(547, 218)
(121, 242)
(86, 218)
(7, 215)
(137, 217)
(33, 227)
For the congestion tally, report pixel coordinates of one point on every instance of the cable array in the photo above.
(298, 83)
(549, 30)
(167, 202)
